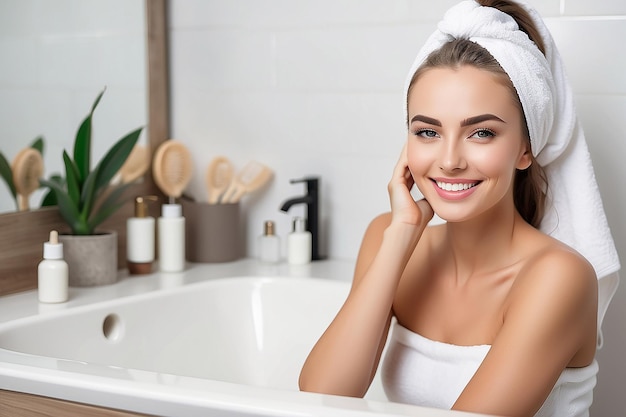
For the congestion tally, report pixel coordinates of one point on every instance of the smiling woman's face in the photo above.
(465, 141)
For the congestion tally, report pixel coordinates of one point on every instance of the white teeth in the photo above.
(454, 187)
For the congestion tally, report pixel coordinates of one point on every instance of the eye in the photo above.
(483, 134)
(426, 133)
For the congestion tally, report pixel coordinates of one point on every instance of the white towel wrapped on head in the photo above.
(574, 212)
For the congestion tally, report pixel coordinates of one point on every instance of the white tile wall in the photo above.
(246, 14)
(587, 47)
(595, 8)
(315, 87)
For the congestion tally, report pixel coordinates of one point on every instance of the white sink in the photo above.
(222, 346)
(248, 330)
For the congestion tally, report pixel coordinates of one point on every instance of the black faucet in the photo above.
(312, 202)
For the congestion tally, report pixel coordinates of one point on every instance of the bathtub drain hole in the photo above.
(112, 327)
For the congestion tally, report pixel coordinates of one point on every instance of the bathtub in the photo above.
(223, 340)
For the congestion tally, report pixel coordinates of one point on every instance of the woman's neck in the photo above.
(484, 244)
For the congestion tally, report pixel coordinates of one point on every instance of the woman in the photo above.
(489, 314)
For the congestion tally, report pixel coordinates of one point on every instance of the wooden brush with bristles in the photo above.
(172, 168)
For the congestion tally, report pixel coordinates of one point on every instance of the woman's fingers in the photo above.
(426, 209)
(403, 207)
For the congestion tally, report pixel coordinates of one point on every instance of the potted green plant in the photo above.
(85, 198)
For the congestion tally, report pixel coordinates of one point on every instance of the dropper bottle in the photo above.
(52, 272)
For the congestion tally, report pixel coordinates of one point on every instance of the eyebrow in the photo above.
(466, 122)
(479, 119)
(425, 119)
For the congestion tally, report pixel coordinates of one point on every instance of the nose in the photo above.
(451, 157)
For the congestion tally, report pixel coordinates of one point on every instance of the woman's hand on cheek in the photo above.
(404, 208)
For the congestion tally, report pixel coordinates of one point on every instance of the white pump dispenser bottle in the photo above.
(171, 232)
(299, 243)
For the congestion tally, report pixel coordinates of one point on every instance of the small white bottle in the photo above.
(299, 243)
(52, 272)
(269, 244)
(171, 227)
(140, 232)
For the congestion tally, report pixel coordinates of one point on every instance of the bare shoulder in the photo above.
(370, 243)
(556, 292)
(374, 234)
(373, 238)
(554, 265)
(379, 223)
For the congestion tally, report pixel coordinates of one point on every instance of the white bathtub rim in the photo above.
(192, 396)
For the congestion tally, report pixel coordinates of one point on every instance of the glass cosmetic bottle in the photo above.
(140, 231)
(269, 244)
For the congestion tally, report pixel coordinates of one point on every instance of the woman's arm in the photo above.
(549, 324)
(344, 360)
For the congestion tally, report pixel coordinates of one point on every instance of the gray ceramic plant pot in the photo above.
(91, 259)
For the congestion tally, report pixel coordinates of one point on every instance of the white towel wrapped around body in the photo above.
(452, 366)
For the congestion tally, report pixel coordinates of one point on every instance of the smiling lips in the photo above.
(455, 190)
(455, 186)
